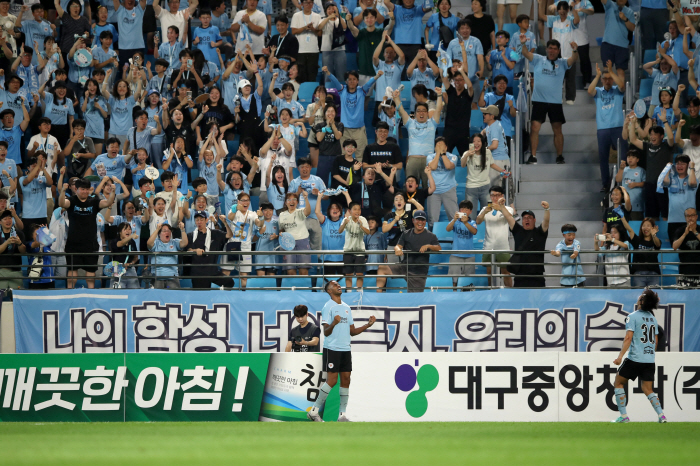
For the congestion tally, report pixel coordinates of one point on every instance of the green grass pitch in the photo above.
(352, 444)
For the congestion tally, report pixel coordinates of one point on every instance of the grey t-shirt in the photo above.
(411, 241)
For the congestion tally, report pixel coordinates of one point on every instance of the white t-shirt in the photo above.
(327, 37)
(282, 158)
(308, 40)
(294, 223)
(52, 148)
(256, 41)
(242, 227)
(168, 19)
(354, 235)
(496, 230)
(694, 153)
(476, 177)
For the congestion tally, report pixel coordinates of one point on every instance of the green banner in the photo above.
(103, 387)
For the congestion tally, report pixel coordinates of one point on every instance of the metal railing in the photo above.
(320, 272)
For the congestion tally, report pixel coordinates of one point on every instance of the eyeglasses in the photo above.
(690, 215)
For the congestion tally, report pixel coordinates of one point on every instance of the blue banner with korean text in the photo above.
(157, 321)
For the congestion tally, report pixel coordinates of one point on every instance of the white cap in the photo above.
(243, 83)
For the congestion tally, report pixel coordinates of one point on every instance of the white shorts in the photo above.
(246, 263)
(509, 2)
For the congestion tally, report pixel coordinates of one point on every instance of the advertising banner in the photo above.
(160, 321)
(390, 387)
(690, 7)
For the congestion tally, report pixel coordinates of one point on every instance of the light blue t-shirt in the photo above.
(10, 166)
(377, 241)
(179, 167)
(390, 78)
(296, 108)
(549, 79)
(94, 123)
(634, 175)
(491, 99)
(97, 30)
(645, 328)
(136, 224)
(231, 195)
(99, 54)
(331, 240)
(169, 260)
(462, 238)
(494, 132)
(34, 197)
(444, 178)
(142, 139)
(14, 102)
(339, 340)
(352, 108)
(36, 31)
(223, 23)
(473, 48)
(675, 50)
(158, 138)
(421, 137)
(433, 25)
(208, 172)
(120, 115)
(230, 88)
(662, 80)
(113, 166)
(616, 32)
(171, 54)
(681, 196)
(409, 24)
(357, 11)
(499, 67)
(264, 243)
(314, 182)
(13, 137)
(670, 116)
(609, 110)
(30, 76)
(206, 38)
(570, 268)
(76, 73)
(275, 195)
(515, 44)
(130, 27)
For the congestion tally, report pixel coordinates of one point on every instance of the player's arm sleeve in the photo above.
(351, 321)
(629, 323)
(325, 316)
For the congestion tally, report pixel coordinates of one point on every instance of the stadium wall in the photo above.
(402, 387)
(512, 320)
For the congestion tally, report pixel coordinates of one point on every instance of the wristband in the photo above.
(546, 209)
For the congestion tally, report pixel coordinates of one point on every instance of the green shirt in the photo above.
(367, 42)
(689, 123)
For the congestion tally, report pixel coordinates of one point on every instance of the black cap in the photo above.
(201, 213)
(528, 212)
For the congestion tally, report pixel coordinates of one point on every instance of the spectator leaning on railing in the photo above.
(688, 239)
(11, 246)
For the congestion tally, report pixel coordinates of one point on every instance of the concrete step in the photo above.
(582, 97)
(554, 187)
(554, 172)
(560, 200)
(575, 127)
(579, 112)
(585, 142)
(562, 216)
(570, 157)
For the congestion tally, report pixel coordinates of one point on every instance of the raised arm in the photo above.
(405, 118)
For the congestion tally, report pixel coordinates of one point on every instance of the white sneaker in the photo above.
(313, 416)
(343, 418)
(570, 102)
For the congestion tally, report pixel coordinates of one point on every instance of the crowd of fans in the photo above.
(86, 114)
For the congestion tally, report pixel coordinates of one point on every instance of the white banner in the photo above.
(550, 386)
(690, 7)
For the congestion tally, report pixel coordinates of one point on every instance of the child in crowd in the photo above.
(355, 227)
(568, 249)
(267, 239)
(500, 61)
(376, 240)
(463, 230)
(617, 269)
(632, 177)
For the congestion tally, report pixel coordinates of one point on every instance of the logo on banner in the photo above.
(427, 380)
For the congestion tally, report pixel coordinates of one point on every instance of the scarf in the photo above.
(660, 181)
(207, 240)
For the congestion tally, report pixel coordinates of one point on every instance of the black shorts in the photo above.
(85, 262)
(149, 20)
(540, 110)
(337, 361)
(354, 263)
(631, 369)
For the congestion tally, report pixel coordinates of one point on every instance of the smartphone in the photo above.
(189, 62)
(490, 204)
(189, 95)
(158, 36)
(471, 146)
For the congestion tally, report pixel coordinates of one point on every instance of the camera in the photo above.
(460, 214)
(600, 237)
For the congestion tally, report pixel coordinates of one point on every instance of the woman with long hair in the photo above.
(95, 111)
(121, 104)
(293, 221)
(331, 239)
(315, 116)
(328, 135)
(645, 261)
(154, 107)
(121, 248)
(59, 109)
(617, 269)
(621, 206)
(216, 111)
(278, 188)
(179, 162)
(479, 163)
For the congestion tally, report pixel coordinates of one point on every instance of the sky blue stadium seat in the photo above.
(472, 281)
(476, 123)
(399, 285)
(351, 61)
(667, 270)
(405, 94)
(306, 93)
(460, 175)
(645, 87)
(649, 55)
(440, 230)
(261, 283)
(301, 283)
(444, 284)
(512, 29)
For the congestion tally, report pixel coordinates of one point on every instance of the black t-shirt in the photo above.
(217, 241)
(655, 159)
(530, 240)
(342, 167)
(411, 241)
(482, 29)
(220, 114)
(404, 224)
(459, 109)
(287, 45)
(120, 254)
(307, 333)
(421, 196)
(329, 145)
(389, 152)
(185, 109)
(690, 243)
(10, 257)
(369, 197)
(82, 224)
(610, 217)
(642, 261)
(171, 133)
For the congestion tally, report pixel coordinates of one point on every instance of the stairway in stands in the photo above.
(572, 189)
